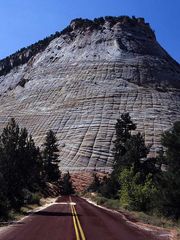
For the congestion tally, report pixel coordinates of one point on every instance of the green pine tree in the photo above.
(4, 203)
(19, 163)
(96, 184)
(170, 182)
(130, 151)
(123, 127)
(9, 163)
(50, 157)
(67, 186)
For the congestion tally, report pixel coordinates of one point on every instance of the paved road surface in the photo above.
(73, 218)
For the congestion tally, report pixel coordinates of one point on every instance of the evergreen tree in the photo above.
(9, 165)
(130, 151)
(67, 187)
(170, 183)
(50, 157)
(171, 141)
(19, 163)
(123, 127)
(32, 166)
(29, 161)
(95, 185)
(4, 203)
(135, 151)
(110, 186)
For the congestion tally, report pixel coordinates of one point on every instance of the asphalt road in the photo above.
(73, 218)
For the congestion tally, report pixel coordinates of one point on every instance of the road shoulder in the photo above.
(157, 232)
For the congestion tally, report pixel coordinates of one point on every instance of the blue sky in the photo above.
(23, 22)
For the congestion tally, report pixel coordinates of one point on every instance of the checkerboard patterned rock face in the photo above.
(84, 80)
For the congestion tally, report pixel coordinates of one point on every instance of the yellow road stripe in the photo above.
(78, 225)
(75, 226)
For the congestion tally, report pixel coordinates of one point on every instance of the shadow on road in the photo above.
(54, 214)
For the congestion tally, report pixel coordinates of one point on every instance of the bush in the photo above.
(135, 195)
(101, 200)
(31, 198)
(112, 203)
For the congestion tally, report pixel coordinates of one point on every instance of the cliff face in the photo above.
(84, 79)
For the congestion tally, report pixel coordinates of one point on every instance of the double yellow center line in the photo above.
(77, 225)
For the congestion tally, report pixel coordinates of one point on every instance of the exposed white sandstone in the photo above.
(78, 86)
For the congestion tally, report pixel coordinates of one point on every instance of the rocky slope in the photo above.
(79, 82)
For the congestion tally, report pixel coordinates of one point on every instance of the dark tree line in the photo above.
(170, 180)
(24, 168)
(141, 183)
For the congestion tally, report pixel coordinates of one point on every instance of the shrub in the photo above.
(31, 198)
(134, 194)
(35, 198)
